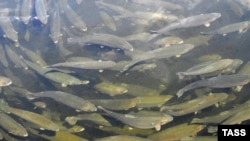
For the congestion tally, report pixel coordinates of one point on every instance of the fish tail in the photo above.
(181, 74)
(179, 93)
(29, 96)
(71, 120)
(100, 107)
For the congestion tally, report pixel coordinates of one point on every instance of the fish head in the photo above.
(166, 119)
(89, 107)
(4, 81)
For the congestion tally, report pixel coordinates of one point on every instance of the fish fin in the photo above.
(243, 30)
(130, 128)
(237, 88)
(77, 110)
(178, 56)
(153, 32)
(158, 127)
(207, 24)
(216, 105)
(179, 93)
(29, 96)
(181, 75)
(71, 120)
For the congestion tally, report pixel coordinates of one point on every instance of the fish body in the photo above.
(103, 39)
(241, 27)
(5, 81)
(140, 121)
(192, 21)
(67, 99)
(222, 116)
(165, 52)
(12, 126)
(194, 105)
(41, 12)
(224, 81)
(26, 10)
(42, 121)
(92, 117)
(206, 67)
(85, 64)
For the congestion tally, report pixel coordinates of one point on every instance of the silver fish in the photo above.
(140, 121)
(241, 27)
(55, 24)
(206, 67)
(68, 99)
(12, 126)
(192, 21)
(42, 121)
(41, 12)
(26, 10)
(224, 81)
(165, 52)
(73, 17)
(103, 39)
(85, 64)
(194, 105)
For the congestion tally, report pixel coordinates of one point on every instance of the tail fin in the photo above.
(181, 75)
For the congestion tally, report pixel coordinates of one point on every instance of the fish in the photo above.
(222, 116)
(118, 9)
(41, 12)
(168, 41)
(3, 57)
(116, 104)
(140, 121)
(88, 64)
(42, 121)
(192, 21)
(55, 24)
(72, 16)
(177, 132)
(8, 28)
(224, 81)
(55, 75)
(165, 4)
(111, 89)
(241, 27)
(108, 20)
(35, 57)
(25, 11)
(152, 101)
(104, 40)
(66, 98)
(14, 58)
(206, 67)
(90, 117)
(122, 138)
(5, 81)
(238, 117)
(12, 126)
(194, 105)
(39, 104)
(174, 50)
